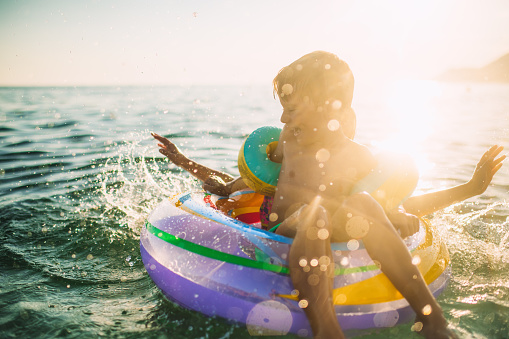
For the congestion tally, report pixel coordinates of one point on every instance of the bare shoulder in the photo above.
(363, 155)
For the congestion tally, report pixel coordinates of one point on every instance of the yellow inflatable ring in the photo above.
(257, 171)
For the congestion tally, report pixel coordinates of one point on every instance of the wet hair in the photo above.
(320, 76)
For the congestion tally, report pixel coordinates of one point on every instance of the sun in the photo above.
(411, 109)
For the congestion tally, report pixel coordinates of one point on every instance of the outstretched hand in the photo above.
(168, 148)
(486, 169)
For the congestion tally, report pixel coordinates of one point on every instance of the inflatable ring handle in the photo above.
(256, 169)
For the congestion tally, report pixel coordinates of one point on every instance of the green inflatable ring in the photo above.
(257, 171)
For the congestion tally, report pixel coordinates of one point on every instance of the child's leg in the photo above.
(385, 245)
(311, 268)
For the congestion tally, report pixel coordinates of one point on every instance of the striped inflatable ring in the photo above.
(257, 171)
(206, 261)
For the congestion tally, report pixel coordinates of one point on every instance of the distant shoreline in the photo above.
(497, 71)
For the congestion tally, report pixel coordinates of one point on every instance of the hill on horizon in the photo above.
(497, 71)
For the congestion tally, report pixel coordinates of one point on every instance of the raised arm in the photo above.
(200, 172)
(428, 203)
(217, 186)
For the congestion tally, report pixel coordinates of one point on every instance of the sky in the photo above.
(93, 42)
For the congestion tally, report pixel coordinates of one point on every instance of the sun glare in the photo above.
(411, 110)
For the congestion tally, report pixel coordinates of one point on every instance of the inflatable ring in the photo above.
(208, 262)
(257, 171)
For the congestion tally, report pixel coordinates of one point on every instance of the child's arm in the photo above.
(425, 204)
(199, 171)
(217, 186)
(276, 154)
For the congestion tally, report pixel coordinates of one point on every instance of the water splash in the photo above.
(136, 178)
(477, 238)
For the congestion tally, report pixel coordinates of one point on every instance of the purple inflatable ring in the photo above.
(206, 261)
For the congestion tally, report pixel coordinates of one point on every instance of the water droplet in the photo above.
(303, 262)
(303, 303)
(352, 245)
(324, 260)
(386, 319)
(426, 310)
(323, 234)
(313, 279)
(340, 299)
(322, 188)
(333, 125)
(417, 327)
(287, 89)
(416, 260)
(273, 217)
(269, 317)
(336, 104)
(314, 262)
(344, 261)
(327, 66)
(302, 332)
(357, 227)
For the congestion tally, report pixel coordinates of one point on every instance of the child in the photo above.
(224, 184)
(312, 202)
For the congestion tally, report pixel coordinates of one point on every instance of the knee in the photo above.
(363, 204)
(360, 201)
(312, 219)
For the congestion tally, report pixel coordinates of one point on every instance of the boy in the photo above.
(313, 203)
(320, 165)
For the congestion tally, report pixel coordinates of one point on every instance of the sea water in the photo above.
(79, 172)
